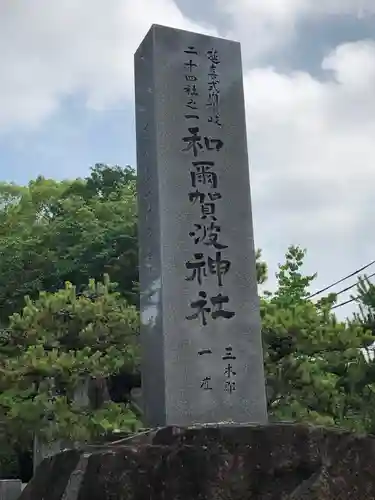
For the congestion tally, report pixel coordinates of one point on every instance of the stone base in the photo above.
(10, 489)
(274, 462)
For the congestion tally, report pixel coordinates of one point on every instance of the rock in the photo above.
(226, 462)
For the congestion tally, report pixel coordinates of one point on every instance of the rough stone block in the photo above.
(275, 462)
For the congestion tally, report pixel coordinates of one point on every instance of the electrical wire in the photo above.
(341, 280)
(352, 286)
(353, 298)
(344, 303)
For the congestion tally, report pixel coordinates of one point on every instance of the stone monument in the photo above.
(201, 340)
(201, 330)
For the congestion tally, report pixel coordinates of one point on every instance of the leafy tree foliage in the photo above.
(52, 232)
(365, 297)
(316, 365)
(53, 345)
(261, 268)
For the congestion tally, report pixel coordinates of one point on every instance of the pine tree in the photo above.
(55, 344)
(315, 364)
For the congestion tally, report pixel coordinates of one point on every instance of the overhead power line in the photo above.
(352, 286)
(341, 280)
(353, 298)
(344, 303)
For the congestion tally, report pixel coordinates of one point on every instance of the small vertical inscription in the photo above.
(229, 371)
(213, 81)
(206, 382)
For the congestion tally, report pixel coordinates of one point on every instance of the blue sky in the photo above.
(69, 142)
(66, 102)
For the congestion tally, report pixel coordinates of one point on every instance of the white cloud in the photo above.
(268, 25)
(353, 65)
(322, 127)
(51, 49)
(312, 151)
